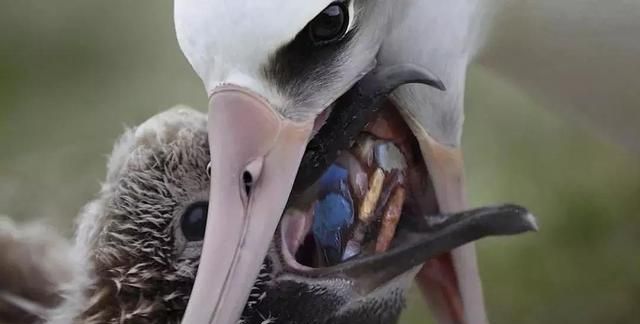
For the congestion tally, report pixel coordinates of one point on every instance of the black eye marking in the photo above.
(194, 221)
(303, 66)
(330, 25)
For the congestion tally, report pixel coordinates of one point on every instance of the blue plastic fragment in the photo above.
(333, 213)
(333, 177)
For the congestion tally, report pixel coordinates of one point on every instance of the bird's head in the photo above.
(139, 243)
(292, 85)
(296, 58)
(137, 263)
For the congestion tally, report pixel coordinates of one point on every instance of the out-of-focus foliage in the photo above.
(73, 73)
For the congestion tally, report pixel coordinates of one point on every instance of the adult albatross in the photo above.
(281, 74)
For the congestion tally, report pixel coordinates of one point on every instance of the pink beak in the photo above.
(255, 155)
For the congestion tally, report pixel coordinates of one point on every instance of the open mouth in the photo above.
(359, 205)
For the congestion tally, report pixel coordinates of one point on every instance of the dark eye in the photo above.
(330, 25)
(194, 221)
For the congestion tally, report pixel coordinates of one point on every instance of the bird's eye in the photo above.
(194, 221)
(330, 25)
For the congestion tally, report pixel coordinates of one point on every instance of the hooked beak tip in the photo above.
(515, 220)
(533, 223)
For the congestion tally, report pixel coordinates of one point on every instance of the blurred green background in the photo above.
(73, 73)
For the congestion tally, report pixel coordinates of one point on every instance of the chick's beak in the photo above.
(255, 155)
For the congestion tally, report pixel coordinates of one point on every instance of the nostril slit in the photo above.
(251, 176)
(247, 180)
